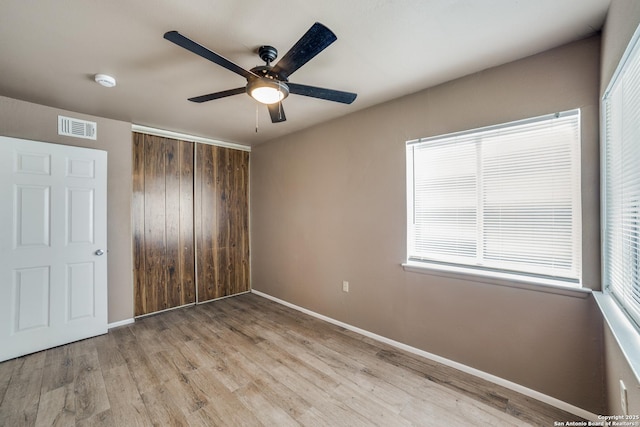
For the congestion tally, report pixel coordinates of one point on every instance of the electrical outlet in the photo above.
(623, 399)
(345, 286)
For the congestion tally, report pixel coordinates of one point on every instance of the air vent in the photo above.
(77, 128)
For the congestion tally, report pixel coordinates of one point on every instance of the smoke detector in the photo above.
(105, 80)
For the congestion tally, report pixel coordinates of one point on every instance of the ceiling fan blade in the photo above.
(314, 41)
(218, 95)
(322, 93)
(276, 112)
(190, 45)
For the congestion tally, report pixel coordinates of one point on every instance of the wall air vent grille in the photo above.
(77, 128)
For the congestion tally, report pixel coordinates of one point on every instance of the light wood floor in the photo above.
(248, 361)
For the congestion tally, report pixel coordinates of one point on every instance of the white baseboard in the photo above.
(459, 366)
(120, 323)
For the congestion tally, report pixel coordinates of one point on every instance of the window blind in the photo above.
(505, 198)
(621, 186)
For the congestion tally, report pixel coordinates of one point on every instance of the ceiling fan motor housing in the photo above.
(268, 53)
(266, 71)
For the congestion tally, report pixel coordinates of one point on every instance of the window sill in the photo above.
(500, 279)
(625, 333)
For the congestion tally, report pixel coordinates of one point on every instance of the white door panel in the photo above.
(81, 293)
(53, 285)
(32, 215)
(31, 288)
(80, 216)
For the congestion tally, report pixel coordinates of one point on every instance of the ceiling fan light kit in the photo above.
(270, 84)
(267, 91)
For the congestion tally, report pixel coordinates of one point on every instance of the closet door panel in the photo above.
(206, 243)
(137, 219)
(186, 242)
(222, 221)
(178, 261)
(171, 244)
(154, 230)
(238, 217)
(163, 223)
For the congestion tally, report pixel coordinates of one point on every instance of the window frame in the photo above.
(629, 310)
(501, 276)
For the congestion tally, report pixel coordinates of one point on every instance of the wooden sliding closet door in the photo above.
(222, 221)
(163, 246)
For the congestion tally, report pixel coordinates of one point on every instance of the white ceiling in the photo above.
(50, 50)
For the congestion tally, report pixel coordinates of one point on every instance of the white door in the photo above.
(53, 235)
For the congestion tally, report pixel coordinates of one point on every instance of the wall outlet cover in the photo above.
(624, 404)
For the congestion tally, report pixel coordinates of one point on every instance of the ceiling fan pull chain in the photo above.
(256, 118)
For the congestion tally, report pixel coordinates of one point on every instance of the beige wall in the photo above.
(328, 204)
(25, 120)
(622, 21)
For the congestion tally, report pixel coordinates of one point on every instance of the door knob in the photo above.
(99, 252)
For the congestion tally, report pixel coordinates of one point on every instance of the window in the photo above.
(504, 198)
(621, 183)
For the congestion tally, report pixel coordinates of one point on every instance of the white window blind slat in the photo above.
(505, 198)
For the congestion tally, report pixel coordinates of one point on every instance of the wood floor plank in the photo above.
(108, 352)
(90, 391)
(422, 413)
(58, 370)
(122, 334)
(369, 406)
(126, 404)
(534, 412)
(256, 399)
(331, 413)
(139, 366)
(148, 337)
(230, 369)
(205, 417)
(57, 408)
(6, 370)
(292, 403)
(79, 348)
(20, 405)
(189, 397)
(162, 409)
(200, 353)
(249, 361)
(102, 419)
(170, 364)
(222, 402)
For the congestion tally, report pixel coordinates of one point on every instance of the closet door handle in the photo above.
(99, 252)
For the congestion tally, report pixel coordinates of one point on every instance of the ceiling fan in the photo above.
(270, 84)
